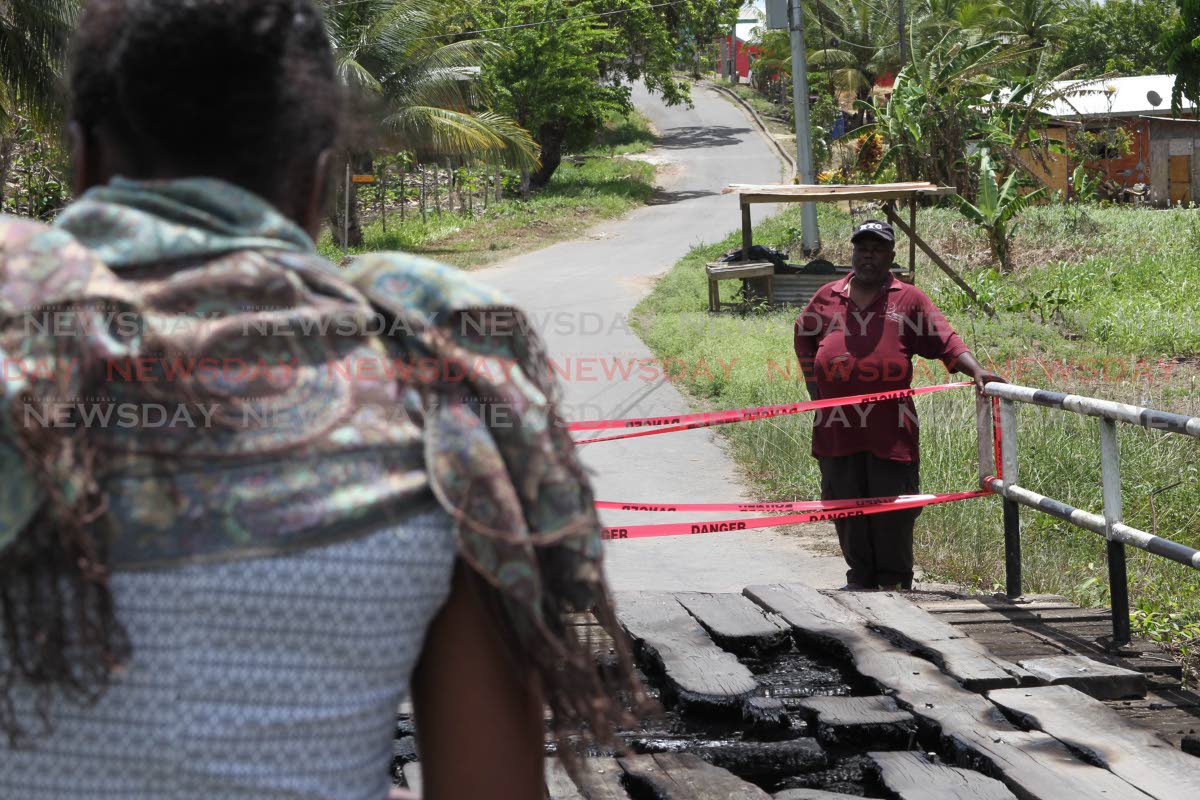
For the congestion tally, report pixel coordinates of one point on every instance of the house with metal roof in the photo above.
(1160, 157)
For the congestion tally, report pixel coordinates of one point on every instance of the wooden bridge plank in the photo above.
(682, 776)
(916, 630)
(1033, 765)
(766, 759)
(734, 621)
(912, 776)
(1101, 681)
(601, 780)
(703, 676)
(1018, 615)
(876, 722)
(1087, 725)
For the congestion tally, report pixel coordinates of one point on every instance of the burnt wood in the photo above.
(734, 622)
(701, 675)
(1101, 681)
(1032, 764)
(682, 776)
(860, 721)
(912, 776)
(916, 630)
(1088, 726)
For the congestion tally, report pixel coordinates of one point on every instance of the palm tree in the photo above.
(33, 42)
(398, 53)
(1037, 22)
(859, 41)
(936, 17)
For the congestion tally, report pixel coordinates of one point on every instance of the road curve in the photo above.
(579, 294)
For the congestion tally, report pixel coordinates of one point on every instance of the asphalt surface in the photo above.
(579, 294)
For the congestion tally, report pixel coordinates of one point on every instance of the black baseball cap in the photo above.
(876, 228)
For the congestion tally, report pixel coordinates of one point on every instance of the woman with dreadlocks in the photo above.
(247, 496)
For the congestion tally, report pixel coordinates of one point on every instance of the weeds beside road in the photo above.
(598, 184)
(1103, 302)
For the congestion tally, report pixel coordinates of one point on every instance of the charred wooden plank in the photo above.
(601, 780)
(912, 776)
(1101, 681)
(988, 603)
(1020, 615)
(916, 630)
(681, 776)
(767, 719)
(1088, 726)
(734, 622)
(766, 759)
(702, 676)
(1033, 765)
(860, 721)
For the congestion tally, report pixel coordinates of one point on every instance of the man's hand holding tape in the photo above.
(858, 335)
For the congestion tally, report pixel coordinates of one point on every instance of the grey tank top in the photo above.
(258, 679)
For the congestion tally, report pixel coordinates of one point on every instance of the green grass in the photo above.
(598, 184)
(1103, 268)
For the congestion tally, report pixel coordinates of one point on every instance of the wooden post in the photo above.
(499, 185)
(894, 218)
(424, 200)
(403, 191)
(346, 213)
(383, 194)
(747, 232)
(450, 185)
(437, 189)
(912, 245)
(470, 193)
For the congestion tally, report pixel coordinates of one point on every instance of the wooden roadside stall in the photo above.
(797, 285)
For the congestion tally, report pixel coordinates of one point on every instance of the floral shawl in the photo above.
(304, 403)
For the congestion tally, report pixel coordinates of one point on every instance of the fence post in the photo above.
(1012, 510)
(1118, 580)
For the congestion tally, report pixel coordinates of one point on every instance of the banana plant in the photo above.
(996, 207)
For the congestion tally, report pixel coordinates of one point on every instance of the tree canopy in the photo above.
(1123, 36)
(568, 64)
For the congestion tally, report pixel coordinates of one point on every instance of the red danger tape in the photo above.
(814, 511)
(650, 426)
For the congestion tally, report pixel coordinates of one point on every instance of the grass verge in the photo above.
(1103, 302)
(598, 184)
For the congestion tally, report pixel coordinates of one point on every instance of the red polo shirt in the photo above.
(868, 350)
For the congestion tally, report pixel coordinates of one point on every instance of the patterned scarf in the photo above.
(304, 403)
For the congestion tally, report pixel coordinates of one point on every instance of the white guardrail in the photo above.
(1110, 524)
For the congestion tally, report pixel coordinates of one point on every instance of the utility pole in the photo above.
(903, 35)
(810, 236)
(733, 49)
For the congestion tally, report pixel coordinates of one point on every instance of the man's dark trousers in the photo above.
(878, 548)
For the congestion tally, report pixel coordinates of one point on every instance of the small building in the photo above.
(1174, 160)
(1141, 107)
(745, 56)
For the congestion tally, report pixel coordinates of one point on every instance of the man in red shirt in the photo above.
(858, 335)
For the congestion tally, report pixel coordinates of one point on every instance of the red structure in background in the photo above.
(747, 54)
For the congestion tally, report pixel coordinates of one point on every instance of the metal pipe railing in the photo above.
(1110, 525)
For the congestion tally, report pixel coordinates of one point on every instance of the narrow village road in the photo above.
(580, 293)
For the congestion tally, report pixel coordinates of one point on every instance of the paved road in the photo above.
(579, 294)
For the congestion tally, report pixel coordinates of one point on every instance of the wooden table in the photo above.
(738, 270)
(889, 193)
